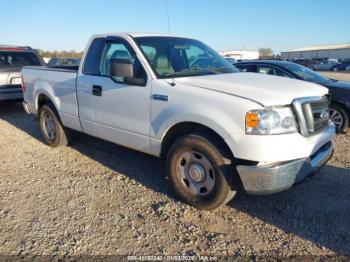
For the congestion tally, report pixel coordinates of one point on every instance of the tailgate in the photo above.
(10, 78)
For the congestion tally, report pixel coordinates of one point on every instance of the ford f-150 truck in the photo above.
(176, 98)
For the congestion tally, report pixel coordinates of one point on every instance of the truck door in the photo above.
(120, 111)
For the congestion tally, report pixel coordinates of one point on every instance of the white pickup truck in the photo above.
(175, 97)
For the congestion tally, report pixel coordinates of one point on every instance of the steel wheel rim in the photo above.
(336, 117)
(195, 173)
(49, 126)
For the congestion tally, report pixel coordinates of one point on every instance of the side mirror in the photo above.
(124, 68)
(121, 68)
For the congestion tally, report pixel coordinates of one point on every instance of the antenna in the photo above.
(167, 14)
(169, 33)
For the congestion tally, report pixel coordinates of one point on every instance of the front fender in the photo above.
(221, 122)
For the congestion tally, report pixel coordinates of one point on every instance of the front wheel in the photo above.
(51, 127)
(339, 117)
(200, 172)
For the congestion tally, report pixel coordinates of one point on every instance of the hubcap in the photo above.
(196, 173)
(49, 126)
(336, 117)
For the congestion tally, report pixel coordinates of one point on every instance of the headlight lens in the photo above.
(272, 121)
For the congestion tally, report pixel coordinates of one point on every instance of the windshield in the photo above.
(17, 59)
(306, 74)
(180, 57)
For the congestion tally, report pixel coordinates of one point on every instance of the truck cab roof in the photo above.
(135, 35)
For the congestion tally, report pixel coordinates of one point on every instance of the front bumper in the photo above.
(273, 178)
(10, 93)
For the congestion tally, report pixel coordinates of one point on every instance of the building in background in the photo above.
(241, 54)
(341, 51)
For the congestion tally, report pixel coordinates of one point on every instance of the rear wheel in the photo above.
(312, 68)
(339, 117)
(335, 69)
(200, 172)
(51, 127)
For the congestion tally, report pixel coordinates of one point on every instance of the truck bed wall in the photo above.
(59, 85)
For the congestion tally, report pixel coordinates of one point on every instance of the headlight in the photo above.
(274, 121)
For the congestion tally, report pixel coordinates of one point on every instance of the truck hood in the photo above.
(264, 89)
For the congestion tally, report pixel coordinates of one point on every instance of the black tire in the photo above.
(344, 115)
(58, 138)
(312, 68)
(223, 171)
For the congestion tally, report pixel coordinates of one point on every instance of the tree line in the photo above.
(60, 54)
(267, 53)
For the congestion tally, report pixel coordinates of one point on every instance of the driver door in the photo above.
(121, 111)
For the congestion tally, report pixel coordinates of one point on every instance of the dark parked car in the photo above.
(12, 59)
(342, 66)
(339, 90)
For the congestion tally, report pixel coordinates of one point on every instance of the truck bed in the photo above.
(60, 82)
(55, 68)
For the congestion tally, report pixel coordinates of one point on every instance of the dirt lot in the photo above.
(340, 76)
(95, 198)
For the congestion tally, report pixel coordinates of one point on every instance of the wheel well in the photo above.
(43, 100)
(345, 108)
(342, 106)
(185, 128)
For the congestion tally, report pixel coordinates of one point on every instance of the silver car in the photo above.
(323, 66)
(12, 59)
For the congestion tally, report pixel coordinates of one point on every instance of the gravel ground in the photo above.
(96, 198)
(344, 76)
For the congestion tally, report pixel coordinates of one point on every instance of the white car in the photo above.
(177, 98)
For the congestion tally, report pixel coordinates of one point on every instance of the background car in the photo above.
(342, 66)
(305, 62)
(339, 90)
(64, 61)
(323, 66)
(231, 60)
(347, 68)
(12, 59)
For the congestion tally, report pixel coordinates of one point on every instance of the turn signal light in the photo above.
(252, 120)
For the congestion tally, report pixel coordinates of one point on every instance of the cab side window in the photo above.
(93, 57)
(269, 70)
(247, 68)
(120, 50)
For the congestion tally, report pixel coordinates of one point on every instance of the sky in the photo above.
(223, 24)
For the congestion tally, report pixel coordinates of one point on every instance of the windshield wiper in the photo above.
(193, 72)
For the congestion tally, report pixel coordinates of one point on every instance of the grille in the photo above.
(312, 114)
